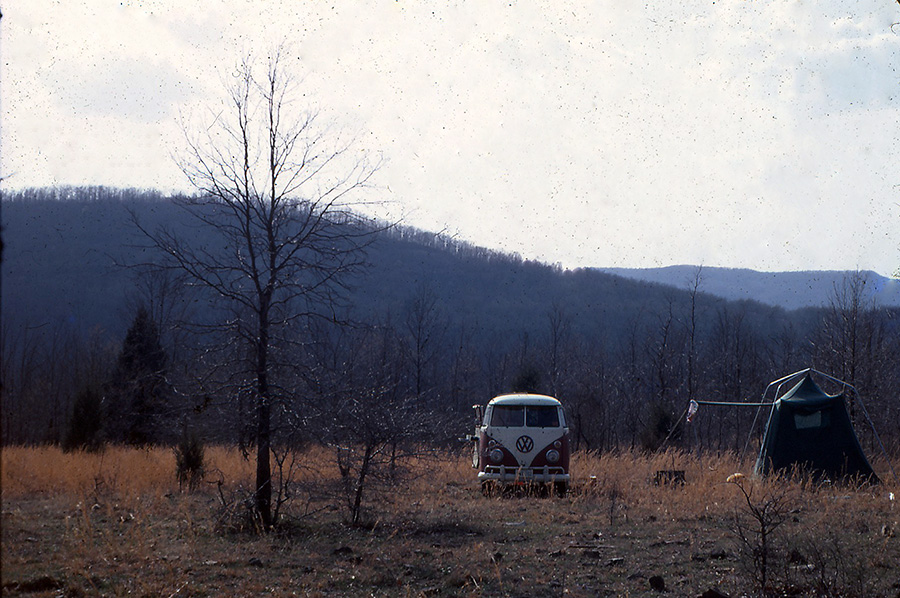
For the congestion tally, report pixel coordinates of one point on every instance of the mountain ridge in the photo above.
(790, 290)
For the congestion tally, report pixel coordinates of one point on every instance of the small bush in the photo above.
(189, 461)
(661, 427)
(767, 505)
(83, 431)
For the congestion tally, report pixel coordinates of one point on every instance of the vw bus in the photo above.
(522, 439)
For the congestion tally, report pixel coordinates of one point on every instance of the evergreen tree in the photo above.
(83, 431)
(138, 389)
(528, 380)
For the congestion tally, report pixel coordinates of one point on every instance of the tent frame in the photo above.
(845, 386)
(770, 402)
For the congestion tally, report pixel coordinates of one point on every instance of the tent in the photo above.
(810, 431)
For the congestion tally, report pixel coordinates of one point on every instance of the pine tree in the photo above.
(138, 390)
(83, 431)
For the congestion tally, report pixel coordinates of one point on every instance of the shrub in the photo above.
(189, 461)
(766, 507)
(83, 431)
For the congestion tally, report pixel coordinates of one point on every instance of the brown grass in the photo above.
(48, 471)
(115, 523)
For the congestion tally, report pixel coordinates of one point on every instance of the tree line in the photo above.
(163, 374)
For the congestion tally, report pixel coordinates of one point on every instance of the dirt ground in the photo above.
(446, 539)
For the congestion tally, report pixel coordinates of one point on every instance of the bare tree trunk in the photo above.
(263, 432)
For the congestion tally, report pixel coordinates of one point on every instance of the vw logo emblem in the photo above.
(524, 444)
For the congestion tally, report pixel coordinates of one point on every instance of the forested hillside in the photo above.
(433, 324)
(68, 252)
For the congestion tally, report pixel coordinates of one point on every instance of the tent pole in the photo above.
(868, 419)
(750, 432)
(781, 381)
(762, 445)
(672, 431)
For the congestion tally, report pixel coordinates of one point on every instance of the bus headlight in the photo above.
(552, 456)
(496, 455)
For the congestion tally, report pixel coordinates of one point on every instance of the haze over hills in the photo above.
(790, 290)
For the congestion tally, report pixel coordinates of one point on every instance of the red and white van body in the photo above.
(522, 438)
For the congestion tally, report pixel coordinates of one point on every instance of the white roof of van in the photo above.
(523, 399)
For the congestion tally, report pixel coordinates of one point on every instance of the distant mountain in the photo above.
(790, 290)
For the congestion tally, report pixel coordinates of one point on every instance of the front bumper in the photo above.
(539, 475)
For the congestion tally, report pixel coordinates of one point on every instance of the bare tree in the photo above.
(693, 290)
(850, 328)
(374, 431)
(559, 331)
(425, 328)
(275, 189)
(370, 414)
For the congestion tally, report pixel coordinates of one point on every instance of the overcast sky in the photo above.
(740, 133)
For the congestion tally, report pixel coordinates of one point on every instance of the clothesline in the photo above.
(726, 404)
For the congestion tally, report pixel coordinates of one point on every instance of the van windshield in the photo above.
(542, 417)
(533, 416)
(508, 416)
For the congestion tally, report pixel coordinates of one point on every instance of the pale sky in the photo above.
(740, 133)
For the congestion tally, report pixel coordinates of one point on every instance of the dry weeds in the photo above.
(115, 524)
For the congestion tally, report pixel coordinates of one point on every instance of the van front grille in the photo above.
(523, 473)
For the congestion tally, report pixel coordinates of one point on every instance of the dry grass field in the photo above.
(116, 524)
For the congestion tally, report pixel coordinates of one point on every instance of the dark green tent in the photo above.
(810, 431)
